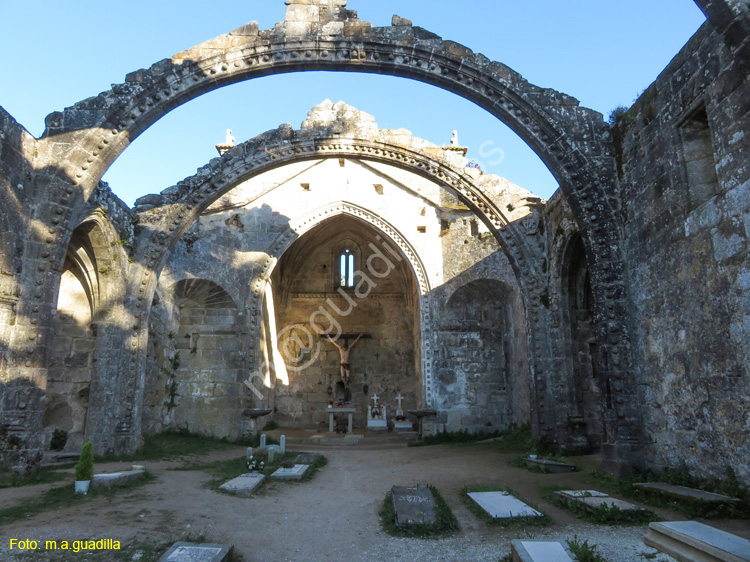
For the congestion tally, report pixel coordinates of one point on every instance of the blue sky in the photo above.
(602, 52)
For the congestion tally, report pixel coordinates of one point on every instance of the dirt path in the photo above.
(333, 517)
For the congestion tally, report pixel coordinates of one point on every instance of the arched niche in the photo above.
(199, 362)
(585, 382)
(73, 357)
(384, 304)
(476, 344)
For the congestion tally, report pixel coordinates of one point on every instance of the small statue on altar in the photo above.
(376, 421)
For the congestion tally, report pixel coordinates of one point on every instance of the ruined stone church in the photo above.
(614, 316)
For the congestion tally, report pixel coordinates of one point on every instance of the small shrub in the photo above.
(84, 469)
(616, 114)
(59, 439)
(270, 426)
(583, 551)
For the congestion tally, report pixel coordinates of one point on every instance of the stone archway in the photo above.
(572, 141)
(389, 301)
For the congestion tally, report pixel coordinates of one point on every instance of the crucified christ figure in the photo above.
(344, 351)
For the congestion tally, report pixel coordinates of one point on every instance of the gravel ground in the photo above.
(333, 517)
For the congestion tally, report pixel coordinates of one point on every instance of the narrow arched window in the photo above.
(346, 268)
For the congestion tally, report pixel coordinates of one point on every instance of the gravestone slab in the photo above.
(192, 552)
(295, 473)
(592, 503)
(577, 494)
(377, 426)
(306, 458)
(501, 505)
(539, 551)
(413, 506)
(552, 467)
(690, 540)
(114, 479)
(245, 484)
(685, 493)
(403, 426)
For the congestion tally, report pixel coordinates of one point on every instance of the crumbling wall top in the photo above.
(317, 11)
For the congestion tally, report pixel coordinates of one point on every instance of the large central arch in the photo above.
(81, 142)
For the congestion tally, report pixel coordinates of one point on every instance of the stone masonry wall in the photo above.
(683, 151)
(231, 242)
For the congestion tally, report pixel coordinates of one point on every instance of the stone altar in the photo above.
(333, 411)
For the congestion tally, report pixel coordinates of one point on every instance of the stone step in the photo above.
(354, 439)
(539, 551)
(690, 541)
(684, 493)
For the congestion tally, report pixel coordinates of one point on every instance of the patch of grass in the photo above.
(225, 470)
(49, 475)
(453, 438)
(583, 551)
(507, 558)
(181, 443)
(515, 439)
(680, 477)
(445, 522)
(518, 439)
(62, 497)
(602, 515)
(480, 513)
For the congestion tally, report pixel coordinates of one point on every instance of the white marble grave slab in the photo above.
(245, 484)
(295, 473)
(192, 552)
(501, 505)
(540, 551)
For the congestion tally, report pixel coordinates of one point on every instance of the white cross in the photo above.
(399, 398)
(375, 399)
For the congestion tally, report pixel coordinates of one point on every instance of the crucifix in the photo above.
(375, 399)
(344, 351)
(399, 398)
